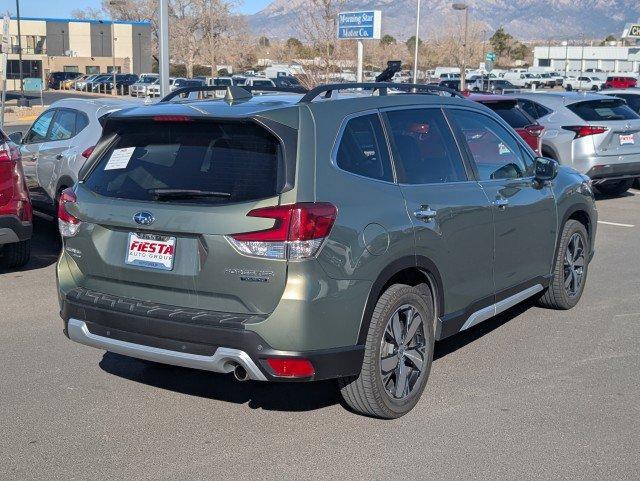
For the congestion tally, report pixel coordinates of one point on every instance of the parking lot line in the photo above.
(617, 224)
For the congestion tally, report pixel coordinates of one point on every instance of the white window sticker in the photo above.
(119, 158)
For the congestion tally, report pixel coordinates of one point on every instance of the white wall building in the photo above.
(578, 58)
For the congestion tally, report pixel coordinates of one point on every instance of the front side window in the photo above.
(39, 129)
(424, 149)
(495, 152)
(362, 149)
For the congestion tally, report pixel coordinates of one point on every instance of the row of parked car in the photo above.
(321, 235)
(148, 85)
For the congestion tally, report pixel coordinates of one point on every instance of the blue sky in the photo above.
(63, 8)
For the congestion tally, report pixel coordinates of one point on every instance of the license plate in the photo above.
(627, 139)
(151, 251)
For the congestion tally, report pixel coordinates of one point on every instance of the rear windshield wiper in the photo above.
(166, 194)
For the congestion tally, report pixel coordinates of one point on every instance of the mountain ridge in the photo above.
(524, 19)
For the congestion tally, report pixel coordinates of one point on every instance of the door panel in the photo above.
(451, 215)
(29, 150)
(52, 151)
(458, 238)
(524, 213)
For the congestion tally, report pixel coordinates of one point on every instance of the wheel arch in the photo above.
(580, 213)
(64, 182)
(410, 270)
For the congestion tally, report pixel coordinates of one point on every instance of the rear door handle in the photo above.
(501, 203)
(425, 213)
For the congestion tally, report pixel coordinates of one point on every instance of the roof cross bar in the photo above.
(233, 92)
(380, 87)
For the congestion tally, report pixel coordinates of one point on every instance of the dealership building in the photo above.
(571, 58)
(85, 46)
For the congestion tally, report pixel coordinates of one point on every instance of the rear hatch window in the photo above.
(603, 110)
(193, 162)
(510, 113)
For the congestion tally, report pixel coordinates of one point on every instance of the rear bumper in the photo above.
(14, 230)
(611, 171)
(210, 341)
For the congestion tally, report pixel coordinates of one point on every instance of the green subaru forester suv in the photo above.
(330, 235)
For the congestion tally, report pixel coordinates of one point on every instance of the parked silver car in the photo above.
(59, 142)
(596, 134)
(141, 87)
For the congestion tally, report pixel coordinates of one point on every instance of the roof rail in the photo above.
(233, 92)
(380, 87)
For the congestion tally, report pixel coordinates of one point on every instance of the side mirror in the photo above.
(545, 169)
(16, 137)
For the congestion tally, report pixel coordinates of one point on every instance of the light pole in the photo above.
(465, 7)
(163, 35)
(113, 46)
(22, 102)
(565, 44)
(415, 53)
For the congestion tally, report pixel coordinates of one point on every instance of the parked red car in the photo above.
(620, 83)
(16, 214)
(507, 108)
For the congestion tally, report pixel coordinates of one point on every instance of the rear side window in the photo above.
(63, 126)
(510, 113)
(363, 150)
(424, 149)
(533, 109)
(605, 109)
(203, 162)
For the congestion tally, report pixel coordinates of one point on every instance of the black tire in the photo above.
(614, 188)
(16, 255)
(558, 295)
(366, 393)
(569, 88)
(636, 183)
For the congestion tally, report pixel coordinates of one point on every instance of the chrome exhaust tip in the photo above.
(240, 373)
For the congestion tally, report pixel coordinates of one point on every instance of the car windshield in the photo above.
(148, 80)
(603, 109)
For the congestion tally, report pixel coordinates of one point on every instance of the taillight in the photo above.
(297, 233)
(535, 130)
(88, 151)
(291, 367)
(585, 130)
(68, 224)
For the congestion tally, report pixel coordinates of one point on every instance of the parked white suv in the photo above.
(58, 144)
(583, 83)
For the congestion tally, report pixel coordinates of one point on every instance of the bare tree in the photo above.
(317, 25)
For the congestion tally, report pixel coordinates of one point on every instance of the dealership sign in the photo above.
(631, 30)
(359, 25)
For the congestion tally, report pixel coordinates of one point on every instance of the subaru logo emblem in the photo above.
(144, 218)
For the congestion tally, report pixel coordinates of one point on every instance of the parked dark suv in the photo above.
(16, 215)
(303, 237)
(55, 78)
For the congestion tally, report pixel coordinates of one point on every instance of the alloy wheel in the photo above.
(574, 264)
(403, 352)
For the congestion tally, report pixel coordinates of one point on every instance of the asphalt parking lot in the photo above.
(531, 394)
